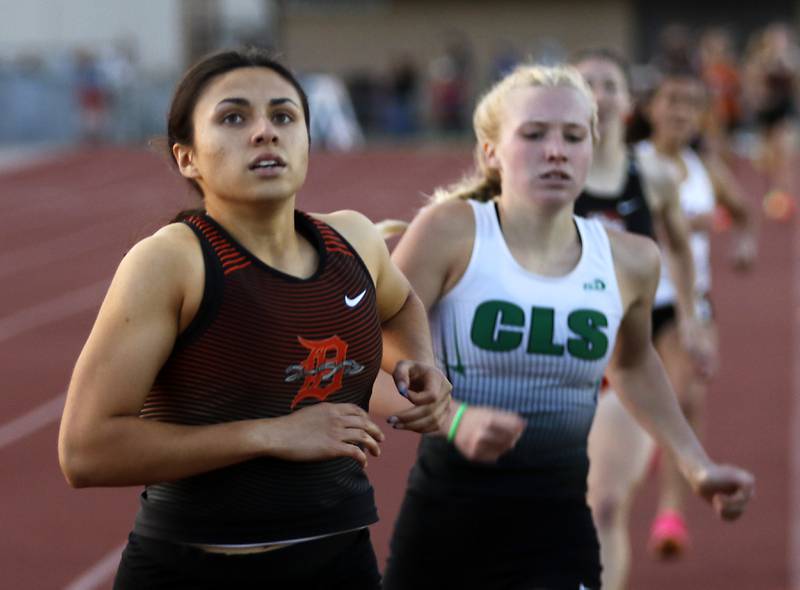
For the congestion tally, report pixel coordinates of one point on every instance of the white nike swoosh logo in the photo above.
(355, 300)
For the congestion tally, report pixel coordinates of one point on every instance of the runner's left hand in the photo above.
(429, 390)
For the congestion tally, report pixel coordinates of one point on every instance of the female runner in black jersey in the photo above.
(638, 193)
(231, 364)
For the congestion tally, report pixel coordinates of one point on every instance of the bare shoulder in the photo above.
(450, 219)
(362, 234)
(173, 246)
(175, 235)
(634, 254)
(637, 261)
(166, 266)
(435, 251)
(446, 224)
(656, 166)
(353, 225)
(444, 230)
(661, 177)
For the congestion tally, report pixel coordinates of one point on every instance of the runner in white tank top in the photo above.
(697, 199)
(531, 344)
(674, 112)
(535, 297)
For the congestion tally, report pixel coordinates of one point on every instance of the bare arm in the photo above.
(728, 193)
(635, 369)
(407, 350)
(403, 316)
(435, 249)
(673, 232)
(638, 376)
(103, 441)
(434, 254)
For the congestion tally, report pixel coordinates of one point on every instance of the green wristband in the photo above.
(456, 421)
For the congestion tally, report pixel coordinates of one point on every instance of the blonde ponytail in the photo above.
(483, 184)
(390, 228)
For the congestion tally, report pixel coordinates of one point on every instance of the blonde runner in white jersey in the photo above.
(531, 344)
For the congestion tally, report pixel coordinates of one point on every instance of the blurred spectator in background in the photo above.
(675, 50)
(550, 51)
(93, 97)
(21, 96)
(450, 76)
(334, 125)
(771, 73)
(401, 110)
(720, 72)
(505, 58)
(119, 65)
(366, 97)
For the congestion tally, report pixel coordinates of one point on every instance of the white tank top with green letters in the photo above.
(531, 344)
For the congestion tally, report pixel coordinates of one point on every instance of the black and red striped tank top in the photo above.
(264, 344)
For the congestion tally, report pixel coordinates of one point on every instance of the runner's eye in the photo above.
(574, 136)
(232, 119)
(533, 134)
(283, 118)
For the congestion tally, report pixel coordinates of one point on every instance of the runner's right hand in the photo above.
(485, 434)
(324, 431)
(726, 487)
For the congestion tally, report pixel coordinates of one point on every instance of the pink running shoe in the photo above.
(669, 537)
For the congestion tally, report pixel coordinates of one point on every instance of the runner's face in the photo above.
(610, 90)
(676, 110)
(251, 142)
(545, 146)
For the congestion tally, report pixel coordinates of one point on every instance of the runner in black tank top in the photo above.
(231, 364)
(619, 448)
(320, 341)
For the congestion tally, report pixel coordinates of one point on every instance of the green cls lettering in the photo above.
(500, 325)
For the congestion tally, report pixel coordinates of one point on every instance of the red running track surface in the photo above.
(67, 222)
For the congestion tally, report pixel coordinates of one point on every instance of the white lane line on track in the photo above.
(41, 314)
(13, 159)
(38, 418)
(100, 572)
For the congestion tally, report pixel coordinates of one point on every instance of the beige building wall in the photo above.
(58, 26)
(345, 39)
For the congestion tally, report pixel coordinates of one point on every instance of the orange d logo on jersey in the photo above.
(323, 369)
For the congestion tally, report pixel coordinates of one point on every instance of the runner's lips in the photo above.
(267, 161)
(555, 175)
